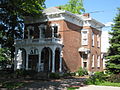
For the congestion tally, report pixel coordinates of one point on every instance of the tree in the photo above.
(4, 57)
(113, 65)
(12, 14)
(74, 6)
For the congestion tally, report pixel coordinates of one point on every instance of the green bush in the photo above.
(97, 78)
(12, 85)
(54, 76)
(82, 72)
(115, 78)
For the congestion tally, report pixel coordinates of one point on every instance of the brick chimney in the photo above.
(86, 15)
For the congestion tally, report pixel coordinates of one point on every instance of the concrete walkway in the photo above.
(93, 87)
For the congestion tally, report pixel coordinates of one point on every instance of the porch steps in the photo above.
(41, 76)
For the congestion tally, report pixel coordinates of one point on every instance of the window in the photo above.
(30, 30)
(98, 63)
(55, 30)
(42, 29)
(84, 64)
(92, 60)
(98, 40)
(92, 39)
(85, 56)
(84, 37)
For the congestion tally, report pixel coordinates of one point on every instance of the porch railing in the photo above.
(39, 41)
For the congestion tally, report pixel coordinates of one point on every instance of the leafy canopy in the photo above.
(74, 6)
(12, 14)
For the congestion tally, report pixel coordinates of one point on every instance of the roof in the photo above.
(52, 10)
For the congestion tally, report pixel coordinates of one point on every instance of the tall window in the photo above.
(42, 29)
(92, 39)
(30, 30)
(98, 40)
(84, 37)
(93, 61)
(98, 59)
(55, 30)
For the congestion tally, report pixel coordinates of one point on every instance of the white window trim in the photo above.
(85, 37)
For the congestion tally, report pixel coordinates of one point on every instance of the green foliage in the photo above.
(82, 72)
(4, 54)
(12, 85)
(110, 84)
(74, 6)
(113, 65)
(72, 88)
(54, 76)
(114, 78)
(97, 78)
(12, 14)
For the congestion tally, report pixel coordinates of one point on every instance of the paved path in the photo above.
(93, 87)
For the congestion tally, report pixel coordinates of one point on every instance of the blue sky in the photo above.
(107, 9)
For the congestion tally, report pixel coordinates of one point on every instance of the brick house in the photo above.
(58, 41)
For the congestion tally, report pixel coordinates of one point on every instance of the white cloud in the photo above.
(108, 24)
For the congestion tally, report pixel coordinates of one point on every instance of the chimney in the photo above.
(86, 15)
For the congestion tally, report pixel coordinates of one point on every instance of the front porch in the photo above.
(41, 59)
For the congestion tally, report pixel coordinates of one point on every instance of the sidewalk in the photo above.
(93, 87)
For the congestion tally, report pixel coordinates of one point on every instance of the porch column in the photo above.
(39, 62)
(60, 68)
(53, 60)
(15, 61)
(52, 32)
(26, 60)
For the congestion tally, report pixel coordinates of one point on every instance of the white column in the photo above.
(15, 61)
(39, 62)
(49, 60)
(60, 68)
(53, 60)
(26, 60)
(52, 32)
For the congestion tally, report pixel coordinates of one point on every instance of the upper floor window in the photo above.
(93, 39)
(32, 33)
(30, 30)
(55, 29)
(98, 40)
(84, 37)
(42, 29)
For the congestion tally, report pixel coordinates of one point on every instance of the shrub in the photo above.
(12, 85)
(82, 72)
(115, 78)
(54, 76)
(97, 78)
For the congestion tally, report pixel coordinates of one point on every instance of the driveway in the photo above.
(93, 87)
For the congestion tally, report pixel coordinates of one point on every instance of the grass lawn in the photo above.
(110, 84)
(72, 88)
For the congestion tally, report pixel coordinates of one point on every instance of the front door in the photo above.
(33, 62)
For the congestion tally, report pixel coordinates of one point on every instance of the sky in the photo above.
(103, 11)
